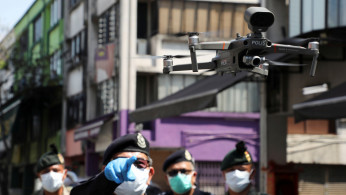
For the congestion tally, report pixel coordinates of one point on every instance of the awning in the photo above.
(92, 128)
(328, 105)
(197, 96)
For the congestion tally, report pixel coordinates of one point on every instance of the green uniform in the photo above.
(41, 192)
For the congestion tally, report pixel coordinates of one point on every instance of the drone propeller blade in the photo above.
(164, 56)
(181, 56)
(275, 63)
(206, 34)
(180, 34)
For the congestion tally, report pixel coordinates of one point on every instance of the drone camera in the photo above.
(259, 19)
(253, 60)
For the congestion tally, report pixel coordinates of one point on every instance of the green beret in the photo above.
(50, 158)
(127, 143)
(238, 156)
(176, 157)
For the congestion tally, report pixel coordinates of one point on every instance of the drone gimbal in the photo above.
(242, 53)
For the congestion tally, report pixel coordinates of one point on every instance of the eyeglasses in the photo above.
(175, 172)
(141, 163)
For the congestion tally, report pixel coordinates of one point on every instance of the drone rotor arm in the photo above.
(203, 65)
(312, 50)
(291, 49)
(223, 45)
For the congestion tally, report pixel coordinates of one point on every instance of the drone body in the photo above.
(243, 53)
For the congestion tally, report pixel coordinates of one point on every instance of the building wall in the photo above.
(317, 149)
(204, 133)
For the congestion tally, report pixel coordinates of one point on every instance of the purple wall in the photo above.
(209, 136)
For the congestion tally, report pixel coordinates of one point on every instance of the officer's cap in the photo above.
(50, 158)
(176, 157)
(127, 143)
(238, 156)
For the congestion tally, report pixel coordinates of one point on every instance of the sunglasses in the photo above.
(175, 172)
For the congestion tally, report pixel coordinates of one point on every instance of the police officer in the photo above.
(238, 170)
(51, 171)
(126, 169)
(181, 174)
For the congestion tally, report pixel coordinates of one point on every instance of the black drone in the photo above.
(242, 53)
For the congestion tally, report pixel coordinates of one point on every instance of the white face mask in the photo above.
(238, 180)
(137, 187)
(52, 181)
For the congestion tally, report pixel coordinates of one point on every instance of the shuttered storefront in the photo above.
(322, 180)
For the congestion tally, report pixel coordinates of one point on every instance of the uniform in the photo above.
(196, 192)
(177, 157)
(99, 184)
(235, 179)
(51, 179)
(65, 192)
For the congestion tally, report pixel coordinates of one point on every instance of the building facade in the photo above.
(81, 67)
(31, 93)
(120, 76)
(313, 143)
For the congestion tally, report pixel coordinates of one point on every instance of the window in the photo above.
(342, 7)
(23, 41)
(147, 25)
(107, 26)
(78, 46)
(210, 177)
(55, 114)
(333, 13)
(38, 29)
(146, 90)
(73, 3)
(106, 97)
(55, 65)
(75, 110)
(55, 12)
(310, 126)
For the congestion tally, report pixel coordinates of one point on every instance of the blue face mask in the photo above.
(180, 183)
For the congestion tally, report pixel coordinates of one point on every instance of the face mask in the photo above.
(238, 180)
(52, 181)
(180, 183)
(136, 187)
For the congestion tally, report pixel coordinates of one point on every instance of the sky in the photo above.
(11, 11)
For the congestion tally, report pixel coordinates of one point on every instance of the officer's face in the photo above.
(54, 168)
(246, 167)
(139, 155)
(182, 167)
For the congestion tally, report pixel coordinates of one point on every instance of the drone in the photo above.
(244, 53)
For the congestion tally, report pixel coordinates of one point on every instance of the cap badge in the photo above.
(61, 158)
(247, 156)
(141, 141)
(187, 155)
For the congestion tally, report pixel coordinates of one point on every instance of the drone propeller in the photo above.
(164, 56)
(181, 34)
(275, 63)
(173, 56)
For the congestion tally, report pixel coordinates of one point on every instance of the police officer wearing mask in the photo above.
(126, 169)
(238, 170)
(181, 174)
(51, 172)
